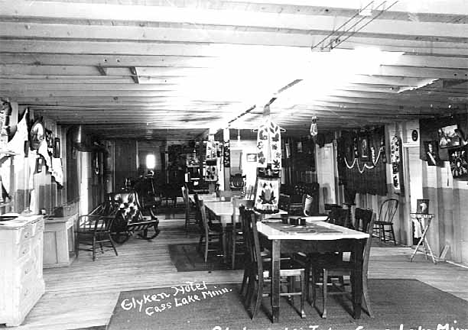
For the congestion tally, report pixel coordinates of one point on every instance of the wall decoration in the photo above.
(363, 148)
(56, 152)
(266, 194)
(458, 158)
(432, 154)
(227, 154)
(211, 171)
(448, 136)
(396, 161)
(269, 145)
(422, 206)
(251, 158)
(36, 134)
(414, 135)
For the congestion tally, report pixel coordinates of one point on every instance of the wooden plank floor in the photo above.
(84, 294)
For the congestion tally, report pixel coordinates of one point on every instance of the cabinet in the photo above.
(59, 241)
(21, 277)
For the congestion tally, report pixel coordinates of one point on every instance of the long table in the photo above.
(223, 211)
(318, 237)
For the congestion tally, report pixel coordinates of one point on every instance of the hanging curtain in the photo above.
(363, 170)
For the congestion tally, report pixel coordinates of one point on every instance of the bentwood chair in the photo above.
(190, 209)
(257, 270)
(333, 270)
(210, 236)
(384, 223)
(94, 231)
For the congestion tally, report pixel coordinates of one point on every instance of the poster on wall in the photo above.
(396, 163)
(458, 158)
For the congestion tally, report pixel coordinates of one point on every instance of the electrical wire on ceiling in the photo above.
(335, 41)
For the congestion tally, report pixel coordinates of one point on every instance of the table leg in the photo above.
(357, 279)
(225, 245)
(275, 280)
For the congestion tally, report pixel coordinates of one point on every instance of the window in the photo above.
(150, 161)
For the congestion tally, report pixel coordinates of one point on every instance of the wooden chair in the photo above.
(129, 218)
(339, 268)
(338, 216)
(284, 202)
(237, 182)
(210, 236)
(384, 223)
(93, 231)
(190, 210)
(257, 271)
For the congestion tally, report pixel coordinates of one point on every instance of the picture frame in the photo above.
(363, 148)
(431, 152)
(251, 158)
(458, 159)
(422, 206)
(448, 136)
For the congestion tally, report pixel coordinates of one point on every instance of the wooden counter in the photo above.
(59, 238)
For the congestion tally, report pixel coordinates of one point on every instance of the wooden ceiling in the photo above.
(172, 69)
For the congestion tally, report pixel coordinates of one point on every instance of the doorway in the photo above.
(413, 180)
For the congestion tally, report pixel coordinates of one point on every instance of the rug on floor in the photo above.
(187, 258)
(397, 305)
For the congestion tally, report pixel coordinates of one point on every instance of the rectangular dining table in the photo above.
(223, 211)
(315, 237)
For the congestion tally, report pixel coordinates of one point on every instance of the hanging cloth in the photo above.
(269, 145)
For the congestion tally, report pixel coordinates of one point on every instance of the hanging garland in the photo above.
(369, 167)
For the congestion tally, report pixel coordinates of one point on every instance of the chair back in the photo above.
(94, 224)
(237, 181)
(252, 240)
(284, 202)
(367, 247)
(338, 216)
(185, 196)
(236, 203)
(387, 210)
(362, 219)
(204, 219)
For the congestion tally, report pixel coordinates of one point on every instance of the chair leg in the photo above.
(325, 293)
(112, 243)
(259, 293)
(94, 248)
(233, 244)
(207, 245)
(382, 233)
(365, 293)
(304, 286)
(393, 234)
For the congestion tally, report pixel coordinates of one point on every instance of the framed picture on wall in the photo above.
(251, 158)
(432, 154)
(458, 158)
(363, 148)
(448, 136)
(422, 206)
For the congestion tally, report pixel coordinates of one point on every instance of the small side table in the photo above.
(423, 242)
